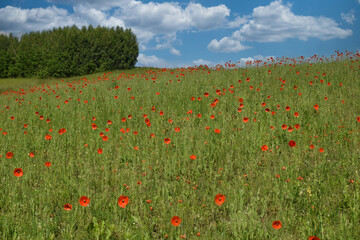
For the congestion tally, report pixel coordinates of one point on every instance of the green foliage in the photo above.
(68, 51)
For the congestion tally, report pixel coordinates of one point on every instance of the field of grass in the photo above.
(279, 142)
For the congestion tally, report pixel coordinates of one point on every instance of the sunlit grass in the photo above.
(311, 193)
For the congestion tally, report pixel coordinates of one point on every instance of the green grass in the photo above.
(322, 203)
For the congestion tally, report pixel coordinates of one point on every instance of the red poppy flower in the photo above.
(217, 131)
(292, 143)
(47, 164)
(287, 108)
(177, 129)
(175, 221)
(316, 106)
(48, 137)
(9, 155)
(18, 172)
(62, 131)
(358, 119)
(167, 140)
(123, 201)
(84, 201)
(296, 114)
(219, 199)
(109, 122)
(321, 150)
(264, 147)
(312, 146)
(67, 207)
(100, 151)
(245, 119)
(313, 238)
(193, 157)
(276, 224)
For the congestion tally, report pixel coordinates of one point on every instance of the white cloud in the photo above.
(97, 4)
(175, 52)
(238, 22)
(162, 18)
(203, 18)
(200, 61)
(349, 17)
(276, 23)
(19, 21)
(151, 61)
(226, 44)
(95, 17)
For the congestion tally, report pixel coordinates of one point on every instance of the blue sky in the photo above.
(187, 33)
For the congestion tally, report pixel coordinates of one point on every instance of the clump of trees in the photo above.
(67, 51)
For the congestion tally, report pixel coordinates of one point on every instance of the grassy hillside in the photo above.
(268, 152)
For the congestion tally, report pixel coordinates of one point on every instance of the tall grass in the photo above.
(311, 193)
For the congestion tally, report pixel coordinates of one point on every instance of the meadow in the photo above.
(270, 150)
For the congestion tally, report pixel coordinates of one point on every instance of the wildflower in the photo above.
(84, 201)
(18, 172)
(276, 224)
(9, 155)
(219, 199)
(67, 207)
(123, 201)
(292, 143)
(175, 221)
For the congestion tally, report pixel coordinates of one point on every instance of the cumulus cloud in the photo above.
(175, 52)
(238, 22)
(162, 18)
(150, 61)
(349, 17)
(19, 21)
(226, 44)
(201, 61)
(276, 23)
(165, 20)
(97, 4)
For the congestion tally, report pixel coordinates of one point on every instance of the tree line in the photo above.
(67, 51)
